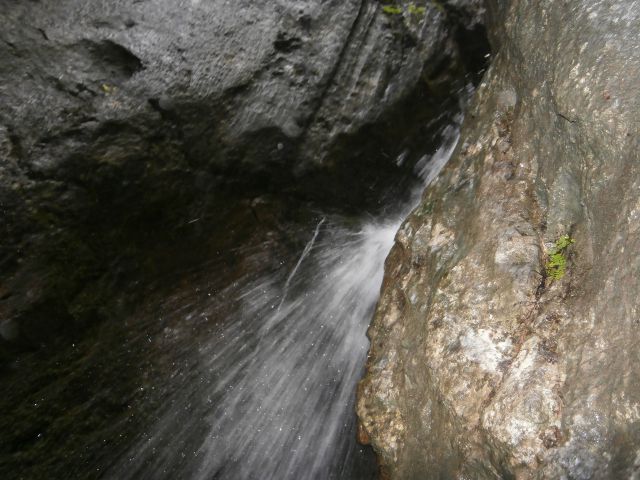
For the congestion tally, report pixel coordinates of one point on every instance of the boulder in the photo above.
(486, 362)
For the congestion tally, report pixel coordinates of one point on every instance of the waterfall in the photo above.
(274, 394)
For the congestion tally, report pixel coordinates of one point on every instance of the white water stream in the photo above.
(275, 396)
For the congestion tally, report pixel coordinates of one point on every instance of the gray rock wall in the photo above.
(481, 365)
(123, 121)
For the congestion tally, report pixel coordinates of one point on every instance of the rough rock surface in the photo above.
(480, 367)
(125, 125)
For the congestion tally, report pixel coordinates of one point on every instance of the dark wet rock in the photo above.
(123, 123)
(480, 367)
(74, 406)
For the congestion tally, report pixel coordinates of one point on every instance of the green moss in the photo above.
(108, 89)
(556, 265)
(412, 9)
(392, 9)
(438, 5)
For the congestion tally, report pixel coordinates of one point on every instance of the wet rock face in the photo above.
(122, 122)
(481, 366)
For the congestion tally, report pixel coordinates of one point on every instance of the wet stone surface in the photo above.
(480, 367)
(122, 122)
(153, 153)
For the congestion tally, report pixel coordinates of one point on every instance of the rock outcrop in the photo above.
(481, 364)
(127, 126)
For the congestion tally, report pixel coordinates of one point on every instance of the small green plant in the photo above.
(556, 266)
(413, 10)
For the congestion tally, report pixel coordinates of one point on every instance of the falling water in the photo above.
(274, 393)
(304, 255)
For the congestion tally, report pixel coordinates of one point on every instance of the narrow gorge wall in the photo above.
(160, 160)
(481, 365)
(128, 128)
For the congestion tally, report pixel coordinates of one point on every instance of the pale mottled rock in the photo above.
(479, 366)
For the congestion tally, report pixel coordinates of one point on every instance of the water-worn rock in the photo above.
(481, 366)
(123, 122)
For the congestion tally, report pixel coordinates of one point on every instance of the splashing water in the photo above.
(274, 395)
(429, 167)
(294, 397)
(304, 255)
